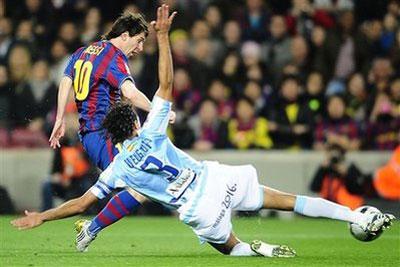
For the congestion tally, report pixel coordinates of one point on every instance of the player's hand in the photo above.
(172, 117)
(31, 220)
(163, 22)
(57, 133)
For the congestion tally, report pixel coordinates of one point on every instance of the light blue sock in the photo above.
(242, 249)
(318, 207)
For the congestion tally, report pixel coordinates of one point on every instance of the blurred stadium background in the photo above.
(291, 86)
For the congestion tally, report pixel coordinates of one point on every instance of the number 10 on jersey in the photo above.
(83, 70)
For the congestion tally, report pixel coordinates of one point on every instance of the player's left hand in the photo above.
(57, 133)
(163, 22)
(31, 220)
(172, 117)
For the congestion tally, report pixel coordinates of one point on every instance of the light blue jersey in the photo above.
(151, 164)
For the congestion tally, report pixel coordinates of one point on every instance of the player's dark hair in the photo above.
(128, 22)
(120, 122)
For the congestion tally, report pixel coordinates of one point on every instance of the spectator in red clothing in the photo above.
(337, 128)
(303, 16)
(210, 131)
(185, 95)
(221, 94)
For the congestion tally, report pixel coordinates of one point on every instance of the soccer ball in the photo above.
(358, 232)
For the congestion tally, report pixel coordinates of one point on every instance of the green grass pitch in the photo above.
(164, 241)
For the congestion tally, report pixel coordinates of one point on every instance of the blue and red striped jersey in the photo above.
(97, 72)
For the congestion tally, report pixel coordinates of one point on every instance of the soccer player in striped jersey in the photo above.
(100, 77)
(204, 193)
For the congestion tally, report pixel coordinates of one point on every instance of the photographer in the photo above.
(338, 180)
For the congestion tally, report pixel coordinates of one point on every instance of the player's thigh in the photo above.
(99, 149)
(275, 199)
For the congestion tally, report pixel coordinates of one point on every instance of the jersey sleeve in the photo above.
(69, 70)
(158, 117)
(118, 72)
(106, 182)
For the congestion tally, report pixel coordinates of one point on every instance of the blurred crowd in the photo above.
(273, 74)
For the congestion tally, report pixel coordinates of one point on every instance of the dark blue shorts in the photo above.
(99, 148)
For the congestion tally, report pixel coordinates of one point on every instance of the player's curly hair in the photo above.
(132, 23)
(120, 122)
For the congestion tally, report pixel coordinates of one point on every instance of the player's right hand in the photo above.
(31, 220)
(163, 22)
(57, 133)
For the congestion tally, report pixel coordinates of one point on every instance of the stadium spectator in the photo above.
(5, 37)
(43, 94)
(24, 34)
(356, 98)
(337, 128)
(213, 18)
(275, 49)
(303, 16)
(210, 131)
(337, 180)
(300, 55)
(290, 118)
(92, 26)
(68, 33)
(314, 96)
(231, 71)
(253, 20)
(59, 56)
(19, 63)
(253, 90)
(247, 130)
(254, 68)
(232, 36)
(384, 125)
(221, 94)
(343, 47)
(186, 95)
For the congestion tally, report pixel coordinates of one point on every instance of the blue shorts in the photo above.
(99, 148)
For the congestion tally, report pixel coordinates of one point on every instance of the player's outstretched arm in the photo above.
(165, 68)
(59, 126)
(67, 209)
(137, 98)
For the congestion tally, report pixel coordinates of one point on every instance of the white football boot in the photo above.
(377, 221)
(267, 250)
(83, 237)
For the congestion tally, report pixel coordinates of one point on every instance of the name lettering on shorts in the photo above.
(226, 203)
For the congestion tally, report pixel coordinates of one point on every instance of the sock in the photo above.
(119, 206)
(242, 249)
(318, 207)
